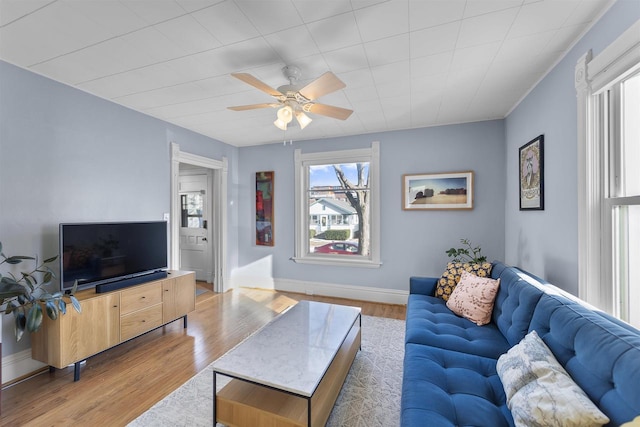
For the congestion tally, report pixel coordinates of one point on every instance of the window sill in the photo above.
(362, 263)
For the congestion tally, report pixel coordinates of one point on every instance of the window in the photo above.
(191, 210)
(337, 207)
(608, 89)
(622, 197)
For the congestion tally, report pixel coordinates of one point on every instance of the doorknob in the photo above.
(204, 239)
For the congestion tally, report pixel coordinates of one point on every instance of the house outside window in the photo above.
(608, 89)
(337, 205)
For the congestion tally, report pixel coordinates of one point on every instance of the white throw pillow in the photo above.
(540, 392)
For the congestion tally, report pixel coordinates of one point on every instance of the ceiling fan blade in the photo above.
(329, 111)
(249, 79)
(326, 83)
(252, 106)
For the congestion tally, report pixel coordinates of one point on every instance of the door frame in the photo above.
(218, 212)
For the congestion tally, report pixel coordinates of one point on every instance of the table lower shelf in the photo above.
(241, 403)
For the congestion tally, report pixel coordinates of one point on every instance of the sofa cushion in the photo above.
(515, 303)
(448, 388)
(540, 392)
(473, 298)
(601, 356)
(452, 274)
(430, 322)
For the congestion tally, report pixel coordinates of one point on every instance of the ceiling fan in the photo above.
(295, 101)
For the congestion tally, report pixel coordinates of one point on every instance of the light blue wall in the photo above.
(413, 242)
(546, 242)
(67, 156)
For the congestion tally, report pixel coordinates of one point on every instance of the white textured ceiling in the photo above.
(406, 63)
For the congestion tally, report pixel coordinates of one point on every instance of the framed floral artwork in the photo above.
(264, 208)
(531, 161)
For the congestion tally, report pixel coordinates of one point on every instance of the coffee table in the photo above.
(289, 372)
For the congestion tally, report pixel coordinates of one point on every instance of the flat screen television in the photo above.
(100, 253)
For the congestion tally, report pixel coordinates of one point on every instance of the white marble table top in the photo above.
(294, 350)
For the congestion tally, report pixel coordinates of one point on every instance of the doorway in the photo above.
(203, 245)
(195, 191)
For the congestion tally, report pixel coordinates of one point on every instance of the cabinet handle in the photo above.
(143, 297)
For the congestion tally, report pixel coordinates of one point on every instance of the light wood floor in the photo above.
(120, 384)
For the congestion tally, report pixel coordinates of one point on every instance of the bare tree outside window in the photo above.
(358, 196)
(338, 209)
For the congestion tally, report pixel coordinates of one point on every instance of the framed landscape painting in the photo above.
(452, 190)
(531, 160)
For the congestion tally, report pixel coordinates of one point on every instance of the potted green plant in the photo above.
(26, 297)
(467, 253)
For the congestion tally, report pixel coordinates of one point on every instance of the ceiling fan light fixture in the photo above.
(280, 124)
(303, 119)
(285, 114)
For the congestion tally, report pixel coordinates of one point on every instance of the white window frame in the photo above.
(302, 163)
(593, 76)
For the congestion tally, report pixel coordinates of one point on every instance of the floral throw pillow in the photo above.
(451, 276)
(540, 392)
(473, 298)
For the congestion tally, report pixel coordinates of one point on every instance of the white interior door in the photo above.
(195, 220)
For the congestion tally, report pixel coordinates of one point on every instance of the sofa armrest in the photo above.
(423, 285)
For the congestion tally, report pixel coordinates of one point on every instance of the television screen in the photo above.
(95, 253)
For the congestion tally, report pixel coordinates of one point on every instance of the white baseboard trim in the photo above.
(258, 282)
(363, 293)
(18, 365)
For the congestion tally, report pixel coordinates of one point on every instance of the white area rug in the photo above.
(370, 396)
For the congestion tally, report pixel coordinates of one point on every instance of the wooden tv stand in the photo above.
(111, 318)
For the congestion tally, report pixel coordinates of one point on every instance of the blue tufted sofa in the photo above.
(450, 377)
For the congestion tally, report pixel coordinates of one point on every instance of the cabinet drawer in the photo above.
(140, 297)
(139, 322)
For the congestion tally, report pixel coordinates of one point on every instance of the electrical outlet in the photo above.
(165, 216)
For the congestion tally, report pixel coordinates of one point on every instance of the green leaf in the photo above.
(47, 277)
(34, 318)
(0, 247)
(74, 289)
(19, 325)
(62, 306)
(8, 280)
(26, 279)
(76, 303)
(48, 260)
(57, 295)
(45, 296)
(17, 259)
(11, 288)
(52, 309)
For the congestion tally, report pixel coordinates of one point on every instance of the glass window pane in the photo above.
(192, 205)
(627, 251)
(634, 266)
(338, 197)
(630, 173)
